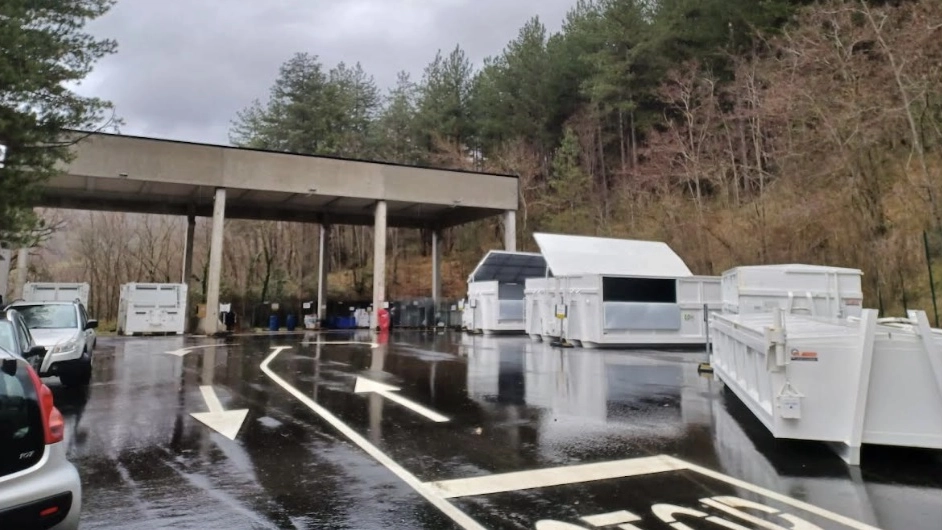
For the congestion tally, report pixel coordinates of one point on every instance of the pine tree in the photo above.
(44, 50)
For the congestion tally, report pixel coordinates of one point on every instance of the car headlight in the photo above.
(67, 346)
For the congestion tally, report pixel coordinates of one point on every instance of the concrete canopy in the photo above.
(146, 175)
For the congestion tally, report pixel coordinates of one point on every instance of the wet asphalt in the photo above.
(513, 405)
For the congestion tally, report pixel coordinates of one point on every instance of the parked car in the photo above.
(68, 335)
(16, 338)
(39, 487)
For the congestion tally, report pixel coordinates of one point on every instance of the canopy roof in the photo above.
(509, 267)
(569, 255)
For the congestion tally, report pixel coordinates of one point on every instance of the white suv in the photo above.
(68, 335)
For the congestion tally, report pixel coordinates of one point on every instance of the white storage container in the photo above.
(56, 292)
(496, 291)
(802, 289)
(617, 292)
(152, 308)
(847, 382)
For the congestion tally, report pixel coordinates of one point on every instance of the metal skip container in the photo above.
(847, 382)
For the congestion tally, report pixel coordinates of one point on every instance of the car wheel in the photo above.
(80, 375)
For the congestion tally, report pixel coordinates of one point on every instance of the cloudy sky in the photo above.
(185, 67)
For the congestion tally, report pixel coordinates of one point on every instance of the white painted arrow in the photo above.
(227, 422)
(183, 351)
(364, 385)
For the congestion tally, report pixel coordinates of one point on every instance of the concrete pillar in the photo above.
(188, 250)
(379, 261)
(211, 324)
(436, 267)
(510, 231)
(6, 256)
(323, 267)
(22, 268)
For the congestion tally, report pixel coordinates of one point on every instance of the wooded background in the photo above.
(738, 131)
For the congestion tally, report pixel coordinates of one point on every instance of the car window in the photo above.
(21, 426)
(23, 337)
(52, 316)
(84, 314)
(7, 339)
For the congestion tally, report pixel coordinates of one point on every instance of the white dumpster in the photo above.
(496, 290)
(807, 289)
(620, 292)
(152, 308)
(56, 292)
(847, 382)
(540, 296)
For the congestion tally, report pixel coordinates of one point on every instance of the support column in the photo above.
(22, 269)
(379, 261)
(211, 324)
(436, 267)
(188, 251)
(6, 256)
(187, 274)
(323, 267)
(510, 231)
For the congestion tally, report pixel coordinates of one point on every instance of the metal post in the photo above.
(379, 261)
(436, 267)
(323, 266)
(211, 325)
(510, 231)
(6, 256)
(188, 250)
(935, 307)
(22, 270)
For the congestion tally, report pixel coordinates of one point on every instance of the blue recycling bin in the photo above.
(273, 323)
(291, 322)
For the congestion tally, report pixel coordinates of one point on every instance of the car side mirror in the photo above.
(36, 351)
(91, 324)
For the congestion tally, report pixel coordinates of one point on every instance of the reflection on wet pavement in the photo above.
(513, 405)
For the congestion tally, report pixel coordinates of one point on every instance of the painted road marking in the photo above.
(227, 422)
(372, 344)
(559, 476)
(611, 519)
(459, 517)
(555, 476)
(364, 385)
(183, 351)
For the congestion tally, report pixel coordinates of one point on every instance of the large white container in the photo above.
(801, 289)
(618, 292)
(496, 291)
(152, 308)
(56, 292)
(848, 382)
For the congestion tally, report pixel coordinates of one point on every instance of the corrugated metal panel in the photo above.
(583, 256)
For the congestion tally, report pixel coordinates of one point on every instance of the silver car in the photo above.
(68, 336)
(39, 488)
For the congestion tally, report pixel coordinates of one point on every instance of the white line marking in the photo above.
(183, 351)
(810, 508)
(372, 344)
(555, 476)
(226, 422)
(611, 519)
(364, 385)
(456, 515)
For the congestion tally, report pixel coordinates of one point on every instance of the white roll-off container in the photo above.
(496, 291)
(796, 288)
(619, 292)
(847, 381)
(56, 292)
(152, 308)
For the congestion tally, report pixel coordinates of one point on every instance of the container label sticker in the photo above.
(804, 355)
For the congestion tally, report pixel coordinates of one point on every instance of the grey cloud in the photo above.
(185, 67)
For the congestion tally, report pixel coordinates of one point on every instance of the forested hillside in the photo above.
(738, 131)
